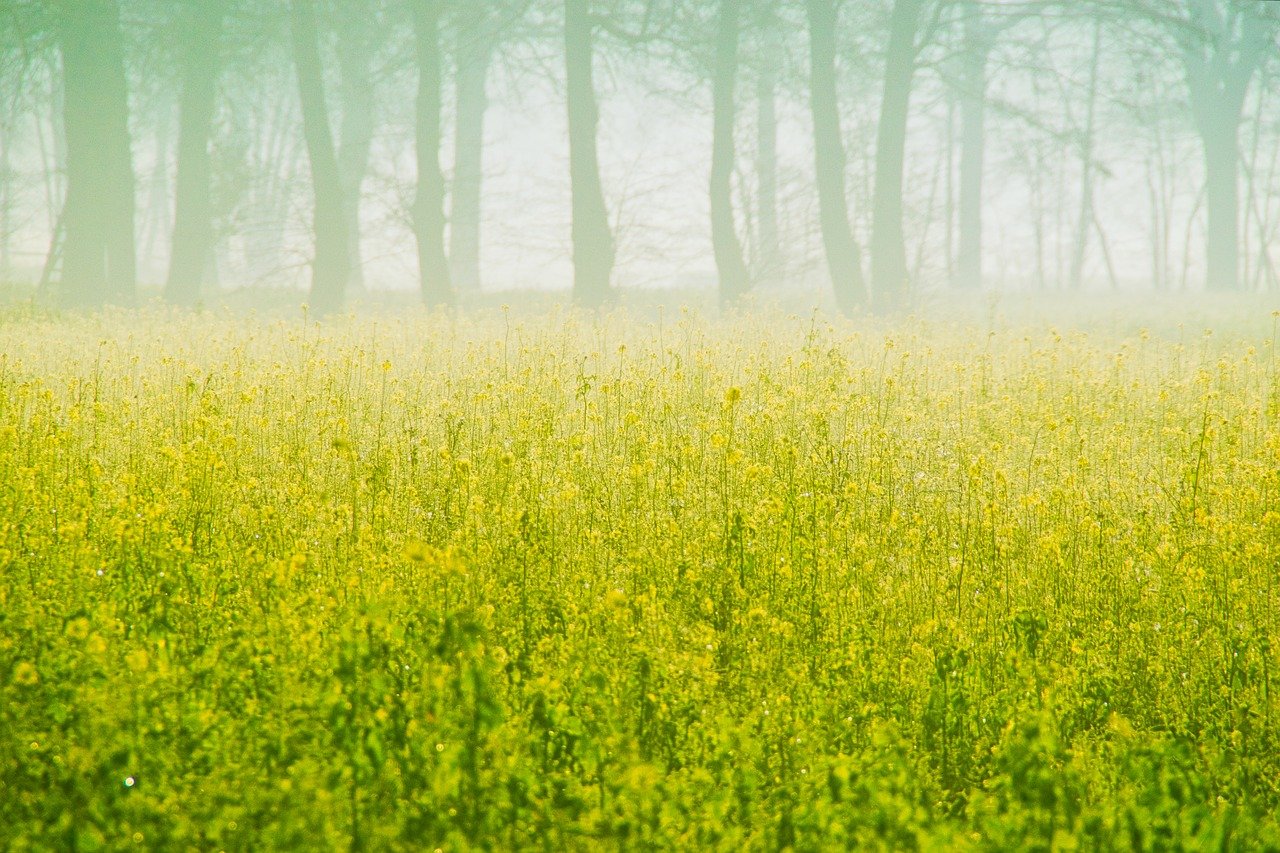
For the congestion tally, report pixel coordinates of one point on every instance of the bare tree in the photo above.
(843, 254)
(477, 39)
(1085, 222)
(768, 253)
(192, 249)
(332, 264)
(978, 40)
(1221, 45)
(888, 243)
(593, 246)
(361, 33)
(428, 208)
(734, 279)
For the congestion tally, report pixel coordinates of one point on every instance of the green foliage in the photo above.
(474, 585)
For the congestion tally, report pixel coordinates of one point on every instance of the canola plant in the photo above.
(668, 583)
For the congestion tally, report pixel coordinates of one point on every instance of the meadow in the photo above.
(638, 582)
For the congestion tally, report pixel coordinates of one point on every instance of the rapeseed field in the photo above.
(573, 582)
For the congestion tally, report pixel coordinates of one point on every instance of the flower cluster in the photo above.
(466, 582)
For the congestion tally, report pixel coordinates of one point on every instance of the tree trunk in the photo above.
(99, 264)
(1218, 84)
(1085, 222)
(428, 207)
(475, 55)
(973, 143)
(724, 237)
(193, 212)
(332, 264)
(888, 244)
(355, 49)
(593, 248)
(844, 258)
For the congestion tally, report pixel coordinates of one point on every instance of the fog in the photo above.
(342, 150)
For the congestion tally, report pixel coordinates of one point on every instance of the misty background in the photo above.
(870, 150)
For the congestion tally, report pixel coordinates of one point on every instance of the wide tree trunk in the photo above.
(99, 262)
(474, 57)
(973, 144)
(192, 249)
(889, 283)
(355, 55)
(734, 280)
(593, 247)
(844, 258)
(332, 264)
(428, 207)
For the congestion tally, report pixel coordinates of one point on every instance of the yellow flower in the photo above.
(25, 674)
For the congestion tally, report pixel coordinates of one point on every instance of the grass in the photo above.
(660, 582)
